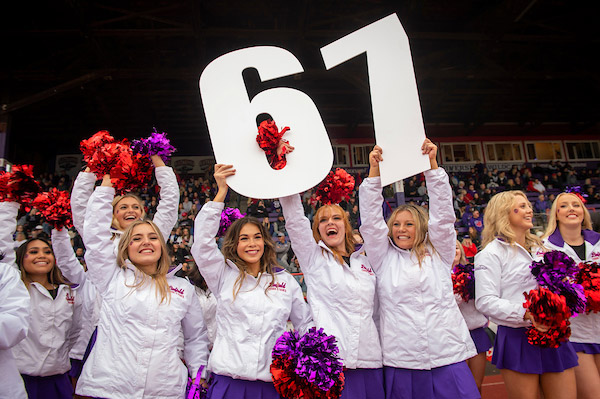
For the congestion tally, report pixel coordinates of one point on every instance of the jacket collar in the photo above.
(354, 254)
(588, 235)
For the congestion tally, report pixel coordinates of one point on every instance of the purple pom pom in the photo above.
(156, 144)
(318, 362)
(228, 216)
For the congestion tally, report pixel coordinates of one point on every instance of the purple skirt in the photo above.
(513, 352)
(363, 384)
(223, 387)
(591, 349)
(481, 339)
(52, 387)
(446, 382)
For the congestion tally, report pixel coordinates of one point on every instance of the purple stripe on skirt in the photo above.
(446, 382)
(77, 365)
(223, 387)
(513, 352)
(481, 339)
(363, 384)
(592, 349)
(52, 387)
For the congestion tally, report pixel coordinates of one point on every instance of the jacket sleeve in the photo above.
(14, 307)
(373, 229)
(195, 336)
(210, 261)
(8, 222)
(167, 210)
(441, 214)
(300, 315)
(65, 257)
(299, 230)
(99, 256)
(488, 276)
(80, 194)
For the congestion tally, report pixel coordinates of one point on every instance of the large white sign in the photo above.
(231, 115)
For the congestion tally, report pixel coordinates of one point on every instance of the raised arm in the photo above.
(8, 222)
(441, 214)
(80, 195)
(210, 261)
(299, 230)
(99, 255)
(167, 210)
(195, 336)
(14, 307)
(65, 257)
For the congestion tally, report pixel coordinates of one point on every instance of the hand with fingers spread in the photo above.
(222, 172)
(430, 149)
(375, 157)
(284, 147)
(539, 327)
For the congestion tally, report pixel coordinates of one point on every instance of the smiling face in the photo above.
(39, 258)
(127, 211)
(251, 245)
(404, 230)
(332, 228)
(144, 247)
(569, 210)
(521, 214)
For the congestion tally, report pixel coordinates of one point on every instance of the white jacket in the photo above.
(473, 317)
(502, 275)
(135, 355)
(421, 326)
(248, 326)
(585, 328)
(165, 219)
(14, 322)
(341, 297)
(208, 304)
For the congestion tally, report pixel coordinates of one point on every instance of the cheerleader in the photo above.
(341, 291)
(570, 231)
(476, 323)
(424, 338)
(143, 311)
(502, 275)
(255, 299)
(42, 357)
(126, 210)
(14, 317)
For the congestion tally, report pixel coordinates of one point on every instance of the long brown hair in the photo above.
(421, 219)
(349, 240)
(230, 244)
(159, 277)
(55, 277)
(115, 223)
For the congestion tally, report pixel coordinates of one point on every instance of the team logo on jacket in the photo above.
(278, 287)
(70, 299)
(367, 269)
(595, 255)
(177, 291)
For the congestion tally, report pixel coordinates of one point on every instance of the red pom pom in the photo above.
(105, 158)
(18, 185)
(589, 278)
(55, 207)
(463, 280)
(335, 188)
(90, 146)
(551, 310)
(268, 139)
(131, 173)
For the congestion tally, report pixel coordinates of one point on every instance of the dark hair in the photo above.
(54, 275)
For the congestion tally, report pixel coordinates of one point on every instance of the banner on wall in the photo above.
(192, 164)
(71, 164)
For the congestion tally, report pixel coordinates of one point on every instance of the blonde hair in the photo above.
(463, 257)
(349, 240)
(159, 277)
(586, 223)
(115, 223)
(496, 221)
(421, 220)
(230, 244)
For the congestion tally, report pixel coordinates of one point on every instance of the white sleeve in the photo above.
(167, 210)
(210, 261)
(300, 315)
(441, 214)
(8, 222)
(14, 307)
(195, 336)
(299, 230)
(488, 277)
(373, 229)
(80, 195)
(99, 255)
(65, 257)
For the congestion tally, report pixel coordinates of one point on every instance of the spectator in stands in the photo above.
(281, 249)
(279, 225)
(19, 239)
(410, 190)
(186, 205)
(536, 186)
(502, 179)
(475, 225)
(354, 216)
(541, 205)
(422, 190)
(180, 253)
(268, 226)
(258, 210)
(571, 179)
